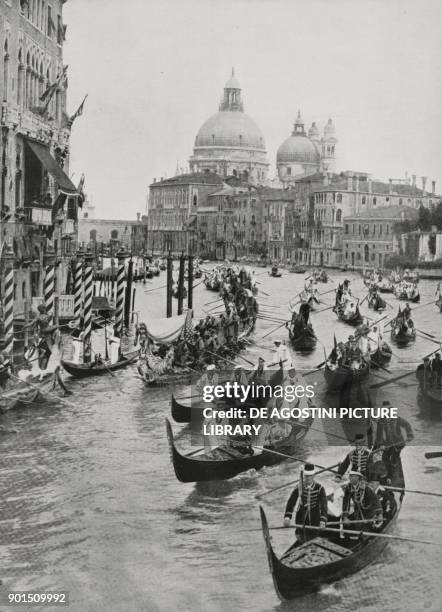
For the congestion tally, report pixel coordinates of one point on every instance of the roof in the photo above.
(387, 212)
(229, 128)
(198, 178)
(298, 148)
(275, 194)
(43, 154)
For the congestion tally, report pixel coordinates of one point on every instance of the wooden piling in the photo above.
(128, 296)
(169, 286)
(181, 283)
(190, 282)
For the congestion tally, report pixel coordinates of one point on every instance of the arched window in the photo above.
(114, 234)
(93, 235)
(20, 71)
(195, 200)
(366, 253)
(374, 201)
(364, 199)
(23, 289)
(338, 215)
(234, 173)
(339, 198)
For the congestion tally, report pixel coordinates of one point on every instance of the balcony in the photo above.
(38, 215)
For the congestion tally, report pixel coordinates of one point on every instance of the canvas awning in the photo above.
(165, 331)
(42, 152)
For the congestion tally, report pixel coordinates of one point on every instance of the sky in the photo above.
(154, 71)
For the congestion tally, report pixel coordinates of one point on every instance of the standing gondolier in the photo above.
(357, 459)
(360, 502)
(309, 501)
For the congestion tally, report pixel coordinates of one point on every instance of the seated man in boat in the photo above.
(310, 500)
(386, 497)
(358, 459)
(360, 503)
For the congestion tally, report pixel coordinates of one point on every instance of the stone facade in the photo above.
(107, 232)
(38, 202)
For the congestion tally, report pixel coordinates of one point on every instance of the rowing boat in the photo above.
(305, 568)
(402, 334)
(302, 336)
(344, 375)
(85, 370)
(225, 462)
(354, 318)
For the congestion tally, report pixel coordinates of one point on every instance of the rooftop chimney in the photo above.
(349, 183)
(424, 183)
(413, 176)
(433, 187)
(390, 186)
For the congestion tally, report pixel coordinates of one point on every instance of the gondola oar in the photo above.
(433, 455)
(388, 536)
(155, 289)
(392, 380)
(430, 340)
(426, 333)
(272, 331)
(401, 490)
(292, 482)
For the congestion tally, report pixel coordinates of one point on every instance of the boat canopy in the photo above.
(165, 331)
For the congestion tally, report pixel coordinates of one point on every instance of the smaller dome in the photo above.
(298, 149)
(313, 131)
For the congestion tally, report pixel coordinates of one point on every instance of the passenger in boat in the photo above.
(310, 499)
(360, 503)
(392, 434)
(357, 459)
(407, 311)
(385, 496)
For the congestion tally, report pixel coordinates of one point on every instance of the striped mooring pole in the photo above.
(8, 307)
(88, 283)
(78, 287)
(119, 302)
(48, 293)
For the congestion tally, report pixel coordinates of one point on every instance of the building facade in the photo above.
(370, 237)
(230, 143)
(38, 201)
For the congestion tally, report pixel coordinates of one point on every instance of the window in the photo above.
(195, 200)
(5, 71)
(289, 171)
(400, 201)
(387, 229)
(339, 216)
(50, 22)
(114, 234)
(380, 229)
(364, 199)
(346, 228)
(339, 198)
(374, 201)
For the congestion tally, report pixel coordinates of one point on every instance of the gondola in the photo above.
(275, 273)
(381, 356)
(344, 375)
(85, 370)
(302, 336)
(21, 397)
(223, 462)
(305, 568)
(211, 283)
(377, 303)
(385, 287)
(355, 318)
(297, 269)
(402, 335)
(431, 398)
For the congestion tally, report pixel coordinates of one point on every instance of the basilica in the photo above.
(230, 143)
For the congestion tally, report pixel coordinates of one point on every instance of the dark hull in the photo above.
(380, 357)
(414, 300)
(344, 375)
(431, 398)
(277, 275)
(303, 340)
(193, 469)
(87, 370)
(403, 339)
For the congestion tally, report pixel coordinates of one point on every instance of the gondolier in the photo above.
(357, 460)
(309, 500)
(360, 502)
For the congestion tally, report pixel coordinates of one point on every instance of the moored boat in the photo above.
(86, 370)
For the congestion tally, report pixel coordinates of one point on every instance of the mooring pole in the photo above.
(119, 302)
(8, 310)
(128, 296)
(181, 284)
(88, 282)
(190, 283)
(133, 304)
(169, 285)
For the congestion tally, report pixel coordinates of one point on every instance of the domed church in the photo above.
(302, 154)
(230, 142)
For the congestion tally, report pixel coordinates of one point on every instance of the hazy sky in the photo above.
(155, 70)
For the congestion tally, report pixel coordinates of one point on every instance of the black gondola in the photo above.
(228, 463)
(305, 568)
(343, 375)
(85, 370)
(401, 334)
(355, 318)
(302, 336)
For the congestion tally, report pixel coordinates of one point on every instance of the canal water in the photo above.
(89, 502)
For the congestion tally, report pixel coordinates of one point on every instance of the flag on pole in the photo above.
(47, 95)
(79, 111)
(81, 196)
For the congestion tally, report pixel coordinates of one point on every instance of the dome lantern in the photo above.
(232, 95)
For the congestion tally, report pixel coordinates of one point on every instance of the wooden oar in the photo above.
(292, 482)
(388, 536)
(430, 340)
(272, 331)
(328, 524)
(392, 380)
(155, 289)
(323, 310)
(326, 292)
(433, 455)
(426, 334)
(401, 490)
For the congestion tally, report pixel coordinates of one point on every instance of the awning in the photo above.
(43, 154)
(165, 331)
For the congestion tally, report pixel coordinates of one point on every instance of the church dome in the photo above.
(230, 129)
(298, 148)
